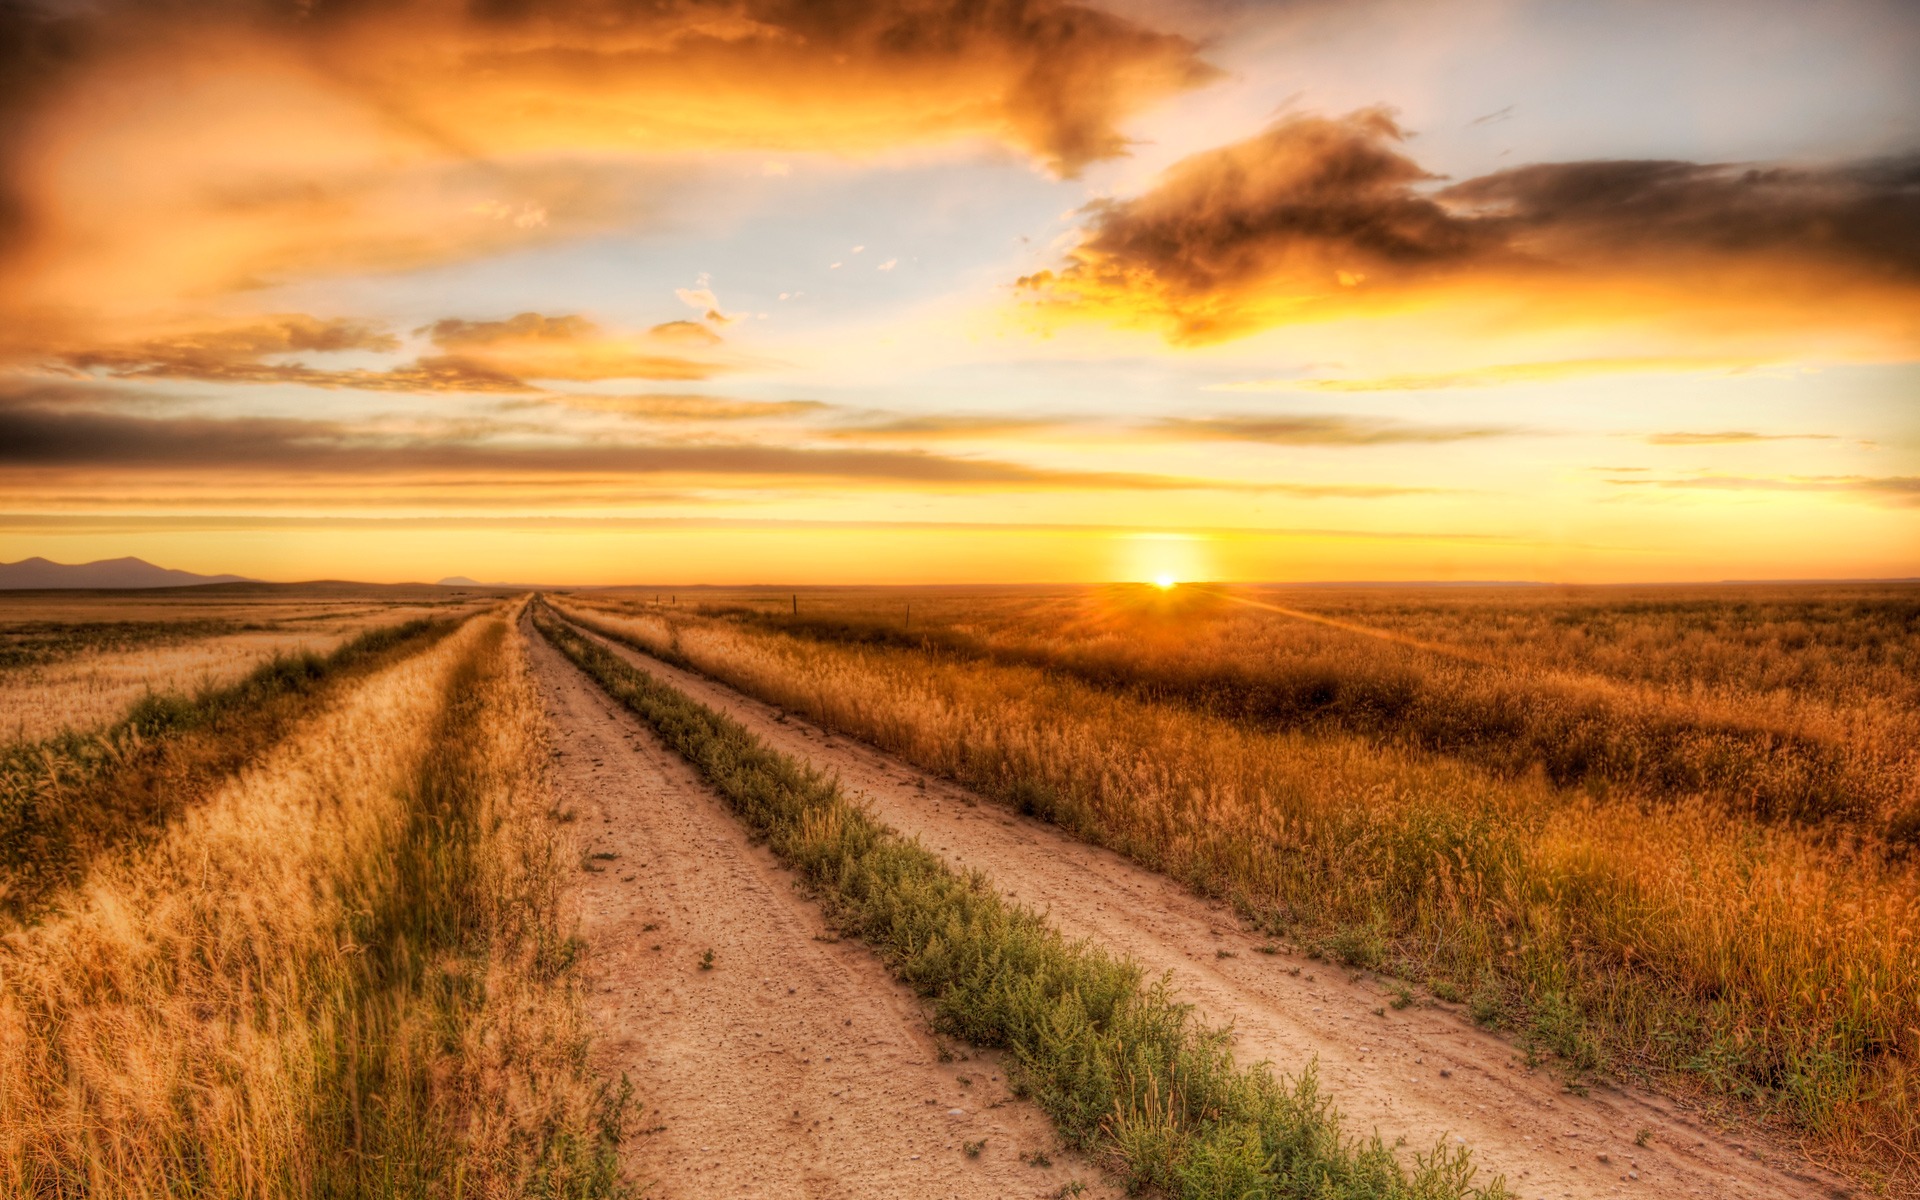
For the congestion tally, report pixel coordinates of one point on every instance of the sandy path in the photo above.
(795, 1067)
(1419, 1074)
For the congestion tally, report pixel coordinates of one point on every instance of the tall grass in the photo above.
(1123, 1069)
(64, 800)
(346, 974)
(1660, 939)
(1804, 708)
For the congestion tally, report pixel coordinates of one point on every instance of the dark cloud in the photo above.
(42, 436)
(1863, 218)
(1322, 214)
(48, 435)
(1324, 429)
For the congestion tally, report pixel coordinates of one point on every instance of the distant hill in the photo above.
(107, 573)
(463, 581)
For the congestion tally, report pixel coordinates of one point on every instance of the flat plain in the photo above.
(1193, 891)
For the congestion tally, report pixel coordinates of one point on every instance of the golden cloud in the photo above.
(1318, 218)
(534, 346)
(481, 356)
(155, 152)
(1324, 429)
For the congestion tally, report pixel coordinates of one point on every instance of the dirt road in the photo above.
(794, 1066)
(1421, 1074)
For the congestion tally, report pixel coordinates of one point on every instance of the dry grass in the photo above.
(1657, 932)
(84, 672)
(345, 974)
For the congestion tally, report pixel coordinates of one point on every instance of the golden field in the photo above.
(1660, 833)
(338, 965)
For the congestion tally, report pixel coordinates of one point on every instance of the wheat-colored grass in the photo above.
(344, 974)
(1660, 937)
(91, 690)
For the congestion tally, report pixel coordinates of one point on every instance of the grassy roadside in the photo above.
(65, 799)
(1677, 945)
(352, 976)
(1120, 1066)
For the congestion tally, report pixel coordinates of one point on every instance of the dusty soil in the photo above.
(1425, 1074)
(795, 1066)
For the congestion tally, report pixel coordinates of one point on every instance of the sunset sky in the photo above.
(594, 291)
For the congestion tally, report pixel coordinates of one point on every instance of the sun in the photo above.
(1165, 582)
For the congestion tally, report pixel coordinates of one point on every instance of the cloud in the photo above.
(246, 352)
(532, 345)
(154, 152)
(1495, 375)
(690, 407)
(1319, 217)
(53, 441)
(1732, 436)
(481, 356)
(1321, 429)
(687, 333)
(1898, 490)
(941, 426)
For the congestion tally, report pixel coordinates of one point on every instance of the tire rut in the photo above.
(1418, 1076)
(795, 1066)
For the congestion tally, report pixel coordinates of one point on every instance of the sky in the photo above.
(940, 291)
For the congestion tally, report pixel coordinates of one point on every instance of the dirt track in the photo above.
(1421, 1075)
(795, 1067)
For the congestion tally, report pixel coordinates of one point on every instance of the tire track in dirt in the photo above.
(1418, 1074)
(796, 1066)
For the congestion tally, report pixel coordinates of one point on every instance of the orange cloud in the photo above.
(572, 348)
(1319, 218)
(151, 154)
(482, 356)
(1325, 429)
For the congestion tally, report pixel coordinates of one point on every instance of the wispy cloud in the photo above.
(480, 356)
(945, 426)
(47, 437)
(1899, 490)
(1324, 429)
(1494, 375)
(1726, 437)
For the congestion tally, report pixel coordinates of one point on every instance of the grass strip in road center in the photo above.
(1121, 1067)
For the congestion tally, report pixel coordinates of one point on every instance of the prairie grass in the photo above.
(1672, 938)
(1775, 702)
(64, 800)
(31, 643)
(1123, 1069)
(82, 675)
(346, 974)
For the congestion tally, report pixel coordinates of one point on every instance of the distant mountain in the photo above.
(463, 581)
(107, 573)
